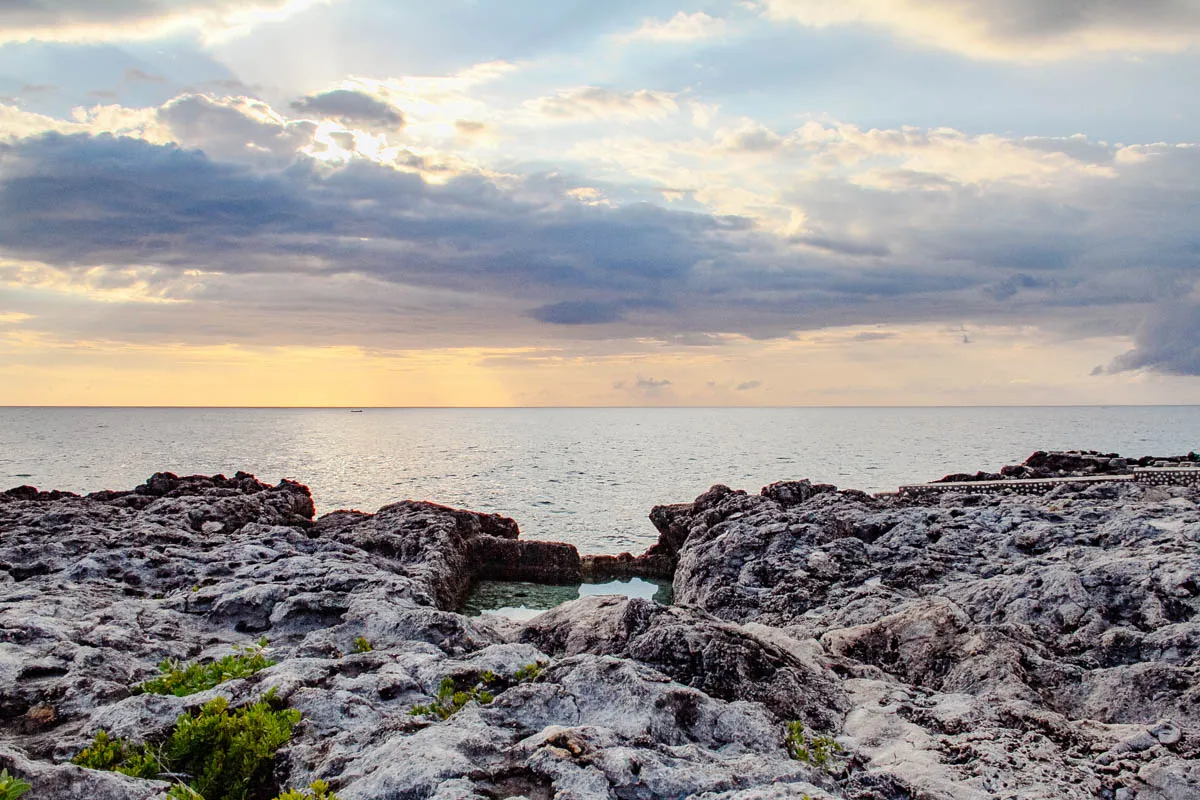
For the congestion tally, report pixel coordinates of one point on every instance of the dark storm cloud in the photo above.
(350, 106)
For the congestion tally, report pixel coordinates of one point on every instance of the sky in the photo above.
(583, 203)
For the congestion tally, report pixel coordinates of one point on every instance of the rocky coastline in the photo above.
(823, 643)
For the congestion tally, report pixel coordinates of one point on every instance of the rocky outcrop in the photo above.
(1072, 620)
(1072, 464)
(723, 660)
(962, 646)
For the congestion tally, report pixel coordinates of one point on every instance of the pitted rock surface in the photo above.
(956, 647)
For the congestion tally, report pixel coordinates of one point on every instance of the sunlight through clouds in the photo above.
(104, 20)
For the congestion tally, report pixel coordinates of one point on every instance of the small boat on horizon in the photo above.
(356, 411)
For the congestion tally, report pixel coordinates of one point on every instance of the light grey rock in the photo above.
(958, 646)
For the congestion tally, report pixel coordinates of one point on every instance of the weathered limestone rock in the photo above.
(961, 646)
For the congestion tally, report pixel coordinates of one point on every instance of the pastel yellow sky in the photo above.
(903, 365)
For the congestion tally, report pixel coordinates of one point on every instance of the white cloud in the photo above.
(682, 27)
(594, 102)
(129, 20)
(1017, 30)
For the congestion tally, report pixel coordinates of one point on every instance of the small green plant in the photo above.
(317, 790)
(182, 679)
(227, 755)
(361, 645)
(819, 751)
(119, 755)
(450, 699)
(11, 787)
(528, 673)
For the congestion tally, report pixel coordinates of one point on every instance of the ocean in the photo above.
(585, 476)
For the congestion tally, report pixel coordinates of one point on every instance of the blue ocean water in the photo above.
(585, 476)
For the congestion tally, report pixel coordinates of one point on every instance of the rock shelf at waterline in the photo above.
(822, 643)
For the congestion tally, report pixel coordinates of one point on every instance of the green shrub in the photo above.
(119, 755)
(227, 755)
(11, 787)
(527, 673)
(450, 699)
(819, 751)
(317, 790)
(361, 645)
(182, 679)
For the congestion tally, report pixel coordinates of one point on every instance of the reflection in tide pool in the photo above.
(521, 601)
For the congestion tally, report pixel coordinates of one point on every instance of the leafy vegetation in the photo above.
(317, 790)
(361, 645)
(450, 699)
(230, 753)
(11, 787)
(182, 679)
(819, 751)
(227, 755)
(528, 673)
(120, 755)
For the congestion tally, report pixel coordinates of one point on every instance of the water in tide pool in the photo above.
(522, 601)
(585, 476)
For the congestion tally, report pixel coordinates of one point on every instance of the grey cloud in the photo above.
(848, 248)
(480, 250)
(748, 386)
(135, 75)
(350, 106)
(57, 20)
(651, 385)
(74, 199)
(872, 336)
(229, 129)
(1014, 284)
(577, 312)
(1168, 342)
(1016, 29)
(1038, 20)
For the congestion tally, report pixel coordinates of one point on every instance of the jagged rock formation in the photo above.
(960, 647)
(976, 634)
(1070, 464)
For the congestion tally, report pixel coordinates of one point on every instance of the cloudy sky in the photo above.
(509, 202)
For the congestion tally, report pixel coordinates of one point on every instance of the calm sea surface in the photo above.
(586, 476)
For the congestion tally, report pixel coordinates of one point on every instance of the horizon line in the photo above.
(587, 407)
